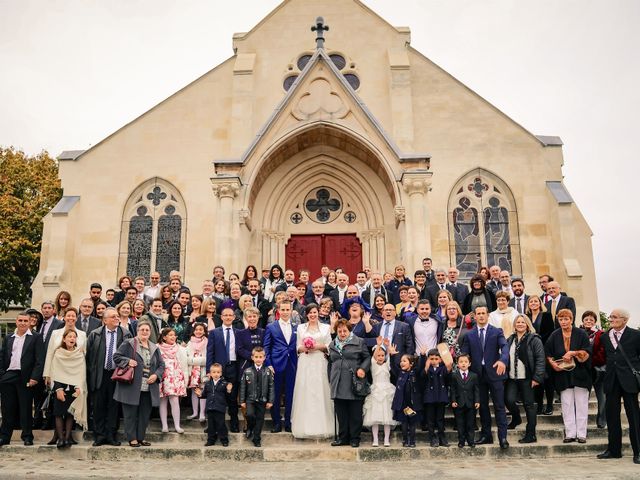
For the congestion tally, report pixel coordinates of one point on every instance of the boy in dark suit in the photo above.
(256, 394)
(465, 400)
(215, 391)
(436, 397)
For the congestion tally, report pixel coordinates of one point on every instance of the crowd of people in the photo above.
(324, 357)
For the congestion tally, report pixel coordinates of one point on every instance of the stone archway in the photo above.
(277, 195)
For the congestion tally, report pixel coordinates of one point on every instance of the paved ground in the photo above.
(580, 468)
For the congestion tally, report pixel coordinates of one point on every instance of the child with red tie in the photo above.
(465, 400)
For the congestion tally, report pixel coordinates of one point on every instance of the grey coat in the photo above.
(130, 394)
(354, 355)
(96, 352)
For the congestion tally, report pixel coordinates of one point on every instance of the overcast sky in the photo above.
(72, 72)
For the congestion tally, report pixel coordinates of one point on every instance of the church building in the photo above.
(309, 146)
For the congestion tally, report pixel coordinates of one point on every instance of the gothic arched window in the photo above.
(153, 231)
(483, 225)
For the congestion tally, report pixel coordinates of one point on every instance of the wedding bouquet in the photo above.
(309, 343)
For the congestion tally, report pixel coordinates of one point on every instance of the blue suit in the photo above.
(217, 353)
(283, 357)
(495, 348)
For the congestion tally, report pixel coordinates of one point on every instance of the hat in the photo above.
(344, 311)
(33, 311)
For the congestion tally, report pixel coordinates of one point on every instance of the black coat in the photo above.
(31, 361)
(249, 385)
(459, 292)
(544, 326)
(617, 367)
(465, 394)
(411, 383)
(216, 395)
(96, 352)
(564, 302)
(531, 353)
(92, 325)
(489, 296)
(579, 376)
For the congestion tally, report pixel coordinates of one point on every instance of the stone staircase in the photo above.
(278, 447)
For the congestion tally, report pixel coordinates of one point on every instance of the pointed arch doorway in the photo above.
(310, 252)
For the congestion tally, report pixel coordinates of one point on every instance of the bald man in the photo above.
(622, 349)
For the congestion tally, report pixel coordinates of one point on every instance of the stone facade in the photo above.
(422, 164)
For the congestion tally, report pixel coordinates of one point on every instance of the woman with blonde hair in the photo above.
(525, 372)
(126, 321)
(208, 315)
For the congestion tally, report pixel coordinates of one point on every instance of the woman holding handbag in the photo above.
(455, 328)
(143, 393)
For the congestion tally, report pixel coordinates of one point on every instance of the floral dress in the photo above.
(173, 379)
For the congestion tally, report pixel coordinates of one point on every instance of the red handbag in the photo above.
(125, 374)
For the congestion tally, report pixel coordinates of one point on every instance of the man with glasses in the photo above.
(153, 290)
(396, 332)
(86, 321)
(621, 383)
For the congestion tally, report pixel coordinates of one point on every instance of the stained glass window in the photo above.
(483, 225)
(153, 231)
(139, 244)
(168, 245)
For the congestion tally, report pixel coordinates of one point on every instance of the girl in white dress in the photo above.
(312, 409)
(377, 406)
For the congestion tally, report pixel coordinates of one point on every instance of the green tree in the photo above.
(29, 189)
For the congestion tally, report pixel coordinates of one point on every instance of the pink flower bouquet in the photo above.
(309, 343)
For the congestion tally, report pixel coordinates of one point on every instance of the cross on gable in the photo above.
(320, 28)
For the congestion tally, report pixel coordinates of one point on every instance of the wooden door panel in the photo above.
(344, 251)
(304, 252)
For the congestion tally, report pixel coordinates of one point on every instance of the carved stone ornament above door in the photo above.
(320, 102)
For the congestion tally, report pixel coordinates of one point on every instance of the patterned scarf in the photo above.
(168, 351)
(341, 343)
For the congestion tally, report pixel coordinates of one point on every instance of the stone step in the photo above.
(308, 453)
(271, 439)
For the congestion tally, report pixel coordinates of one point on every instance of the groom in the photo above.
(280, 347)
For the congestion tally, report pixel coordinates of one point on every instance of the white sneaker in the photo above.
(374, 444)
(165, 430)
(179, 430)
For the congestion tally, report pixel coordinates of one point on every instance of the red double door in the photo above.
(310, 252)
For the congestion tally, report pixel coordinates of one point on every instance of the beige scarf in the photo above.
(68, 366)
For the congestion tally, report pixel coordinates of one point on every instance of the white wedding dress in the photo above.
(312, 409)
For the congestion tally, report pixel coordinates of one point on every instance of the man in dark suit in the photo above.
(458, 290)
(221, 348)
(339, 294)
(620, 383)
(374, 289)
(429, 274)
(489, 359)
(102, 343)
(433, 289)
(520, 299)
(558, 301)
(21, 364)
(289, 281)
(262, 304)
(398, 333)
(46, 328)
(494, 284)
(282, 358)
(316, 294)
(86, 322)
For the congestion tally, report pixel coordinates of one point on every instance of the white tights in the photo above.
(195, 402)
(174, 402)
(387, 433)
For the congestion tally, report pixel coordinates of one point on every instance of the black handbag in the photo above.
(359, 386)
(635, 372)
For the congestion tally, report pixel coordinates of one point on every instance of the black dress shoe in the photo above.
(113, 443)
(209, 444)
(528, 439)
(513, 424)
(601, 425)
(234, 430)
(504, 444)
(257, 443)
(435, 442)
(443, 441)
(98, 443)
(606, 455)
(355, 443)
(61, 443)
(548, 411)
(225, 443)
(338, 443)
(636, 459)
(460, 444)
(28, 443)
(287, 429)
(582, 440)
(568, 440)
(484, 440)
(277, 429)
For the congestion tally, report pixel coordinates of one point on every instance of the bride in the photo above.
(312, 411)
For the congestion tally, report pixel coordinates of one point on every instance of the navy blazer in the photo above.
(402, 338)
(495, 348)
(216, 395)
(435, 384)
(279, 353)
(216, 348)
(415, 378)
(246, 340)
